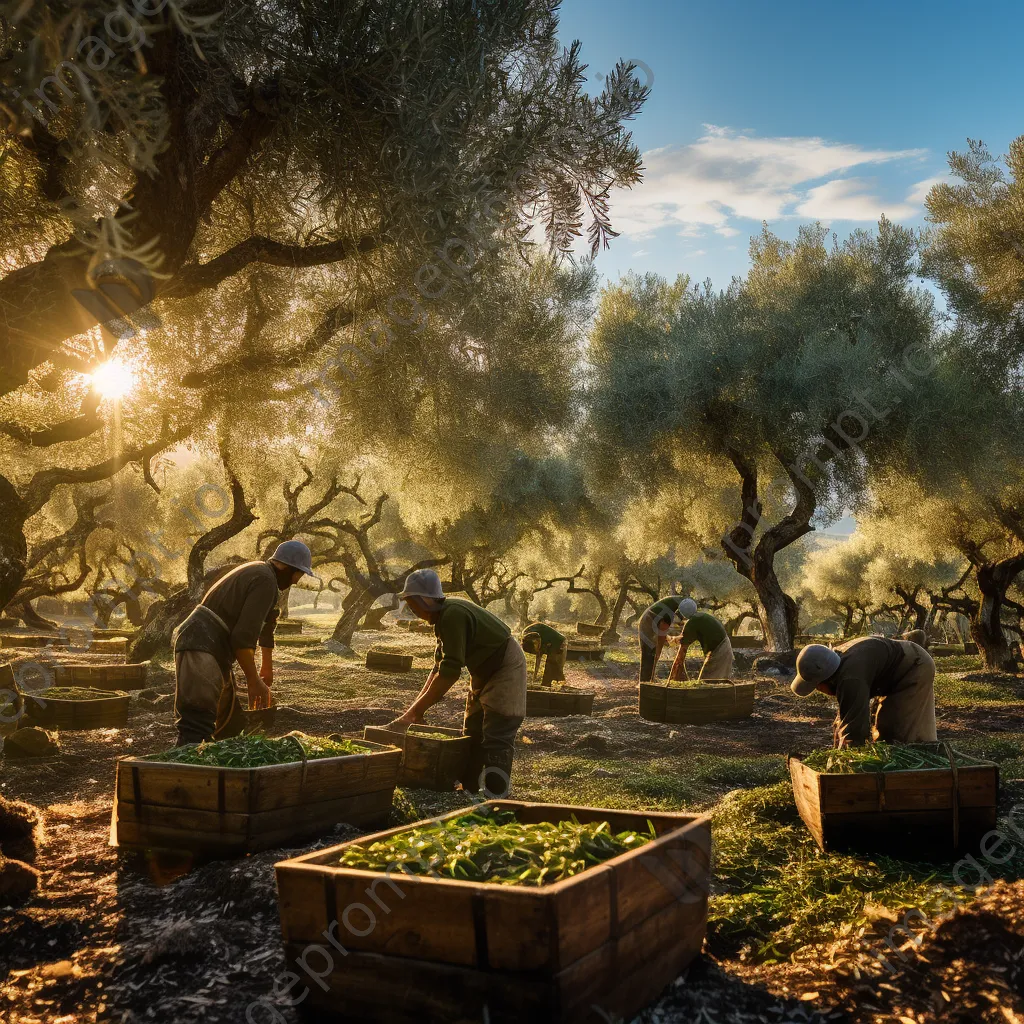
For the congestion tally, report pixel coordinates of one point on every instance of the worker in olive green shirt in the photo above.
(704, 629)
(471, 637)
(543, 640)
(900, 673)
(653, 628)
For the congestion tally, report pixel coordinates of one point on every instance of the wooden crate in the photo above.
(909, 811)
(103, 677)
(115, 645)
(545, 701)
(232, 811)
(421, 950)
(428, 763)
(287, 627)
(243, 721)
(707, 701)
(746, 643)
(590, 629)
(33, 640)
(584, 650)
(107, 711)
(110, 634)
(388, 661)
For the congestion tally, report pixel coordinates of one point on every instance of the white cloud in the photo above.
(848, 199)
(639, 253)
(920, 191)
(727, 174)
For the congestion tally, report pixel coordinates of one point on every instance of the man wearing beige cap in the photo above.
(898, 672)
(471, 637)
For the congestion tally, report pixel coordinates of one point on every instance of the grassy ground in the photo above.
(777, 902)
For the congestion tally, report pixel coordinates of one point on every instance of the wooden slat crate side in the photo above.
(538, 702)
(673, 869)
(284, 785)
(807, 796)
(387, 661)
(909, 790)
(104, 677)
(286, 628)
(622, 975)
(176, 828)
(78, 715)
(186, 786)
(628, 972)
(590, 629)
(402, 990)
(432, 919)
(746, 643)
(917, 831)
(26, 640)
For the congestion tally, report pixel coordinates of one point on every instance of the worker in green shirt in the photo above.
(543, 640)
(471, 637)
(653, 628)
(704, 629)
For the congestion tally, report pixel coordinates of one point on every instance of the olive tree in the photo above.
(777, 387)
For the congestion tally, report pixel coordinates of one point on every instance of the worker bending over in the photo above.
(543, 640)
(900, 673)
(704, 629)
(238, 612)
(653, 628)
(471, 637)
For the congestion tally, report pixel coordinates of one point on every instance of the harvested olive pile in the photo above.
(256, 751)
(881, 757)
(418, 735)
(494, 846)
(76, 693)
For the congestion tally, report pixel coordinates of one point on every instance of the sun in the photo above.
(113, 379)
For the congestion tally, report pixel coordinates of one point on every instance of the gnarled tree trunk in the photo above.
(994, 579)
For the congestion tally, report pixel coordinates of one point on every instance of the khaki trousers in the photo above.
(907, 715)
(201, 689)
(718, 663)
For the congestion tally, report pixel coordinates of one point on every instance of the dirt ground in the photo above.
(112, 937)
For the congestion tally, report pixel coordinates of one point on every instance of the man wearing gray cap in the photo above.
(471, 637)
(899, 673)
(238, 612)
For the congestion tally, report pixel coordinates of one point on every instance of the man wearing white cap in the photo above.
(704, 629)
(471, 637)
(899, 673)
(238, 612)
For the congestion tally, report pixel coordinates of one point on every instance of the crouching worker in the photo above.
(545, 641)
(704, 629)
(235, 615)
(654, 626)
(471, 637)
(898, 672)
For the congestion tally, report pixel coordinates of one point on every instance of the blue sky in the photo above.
(791, 112)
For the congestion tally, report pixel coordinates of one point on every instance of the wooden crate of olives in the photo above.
(76, 709)
(696, 703)
(506, 912)
(388, 661)
(33, 640)
(590, 629)
(552, 701)
(103, 677)
(433, 757)
(251, 793)
(584, 649)
(916, 798)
